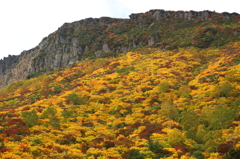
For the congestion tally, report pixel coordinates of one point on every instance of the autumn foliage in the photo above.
(148, 103)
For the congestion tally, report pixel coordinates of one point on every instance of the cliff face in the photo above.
(189, 15)
(93, 37)
(55, 51)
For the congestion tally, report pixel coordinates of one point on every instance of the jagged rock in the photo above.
(158, 15)
(106, 48)
(124, 49)
(98, 53)
(190, 15)
(63, 48)
(151, 41)
(7, 62)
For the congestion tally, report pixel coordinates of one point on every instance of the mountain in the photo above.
(149, 103)
(174, 93)
(103, 37)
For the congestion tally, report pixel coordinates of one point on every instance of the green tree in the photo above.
(54, 122)
(175, 137)
(212, 140)
(222, 90)
(30, 118)
(190, 134)
(198, 155)
(190, 120)
(201, 132)
(213, 135)
(236, 104)
(211, 146)
(50, 111)
(155, 147)
(221, 117)
(206, 116)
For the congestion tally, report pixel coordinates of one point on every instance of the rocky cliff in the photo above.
(189, 15)
(99, 37)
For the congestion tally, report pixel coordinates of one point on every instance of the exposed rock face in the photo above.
(56, 52)
(53, 52)
(189, 15)
(7, 62)
(63, 48)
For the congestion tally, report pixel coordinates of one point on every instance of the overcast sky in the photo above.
(24, 23)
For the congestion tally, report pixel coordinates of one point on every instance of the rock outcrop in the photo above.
(74, 41)
(189, 15)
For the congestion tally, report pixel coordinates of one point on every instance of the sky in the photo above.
(24, 23)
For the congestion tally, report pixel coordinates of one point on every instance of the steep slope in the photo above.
(148, 103)
(91, 38)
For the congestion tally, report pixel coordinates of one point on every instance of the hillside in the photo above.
(105, 36)
(148, 103)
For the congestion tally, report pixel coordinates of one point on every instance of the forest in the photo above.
(148, 103)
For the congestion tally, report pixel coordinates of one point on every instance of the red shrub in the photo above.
(225, 147)
(4, 149)
(14, 122)
(10, 131)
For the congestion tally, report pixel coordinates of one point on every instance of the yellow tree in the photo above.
(169, 110)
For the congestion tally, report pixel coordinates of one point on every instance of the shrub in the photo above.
(36, 141)
(67, 114)
(198, 155)
(205, 37)
(155, 147)
(134, 154)
(67, 140)
(100, 62)
(36, 153)
(36, 74)
(224, 147)
(233, 154)
(14, 86)
(125, 70)
(76, 99)
(54, 122)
